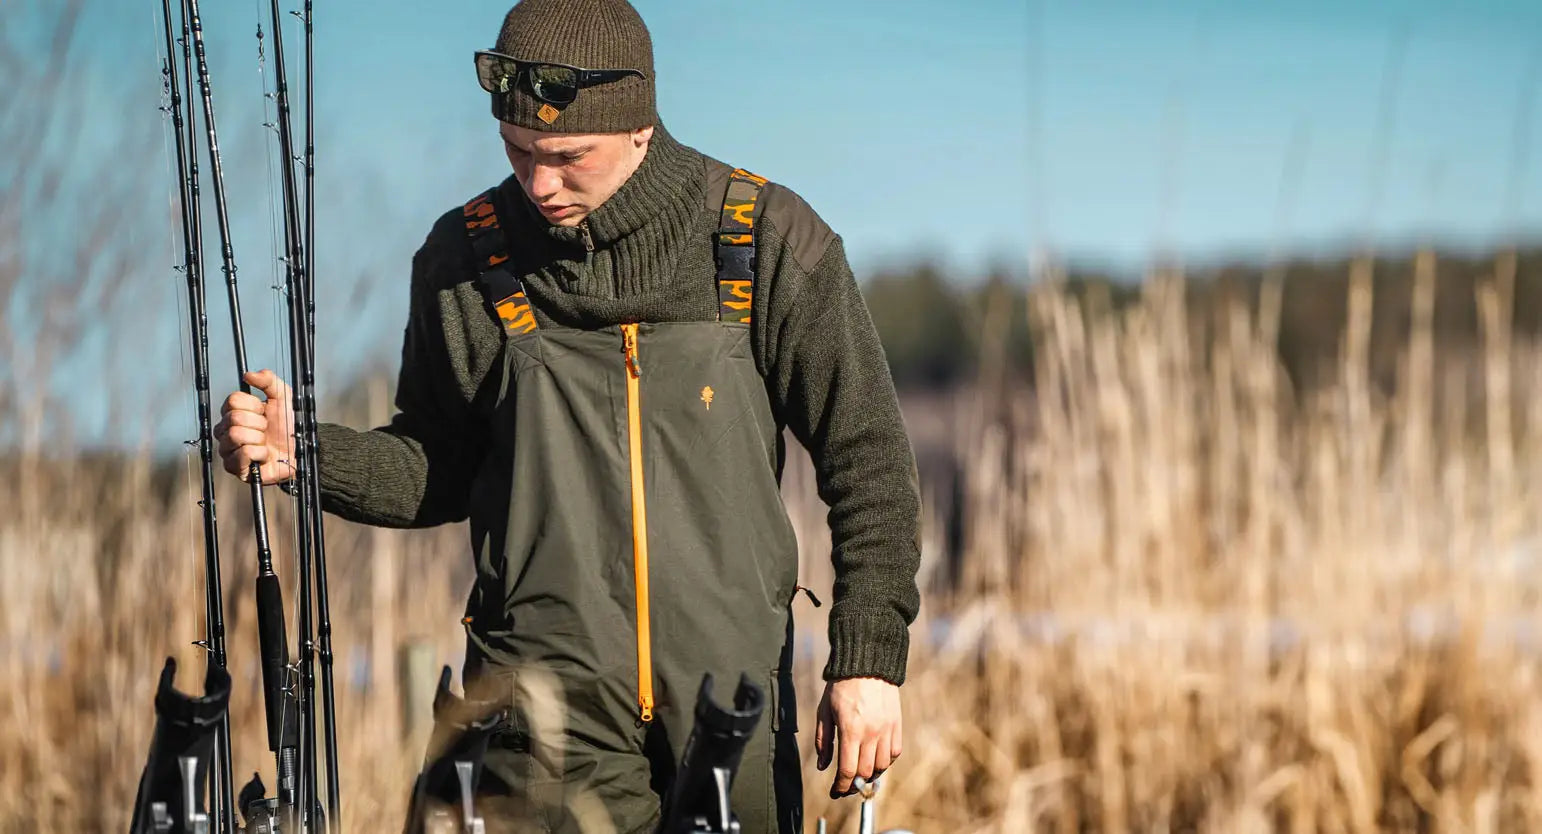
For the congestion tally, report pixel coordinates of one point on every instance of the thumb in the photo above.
(268, 382)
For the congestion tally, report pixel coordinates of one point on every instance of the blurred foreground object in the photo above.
(172, 786)
(869, 814)
(699, 804)
(444, 795)
(443, 798)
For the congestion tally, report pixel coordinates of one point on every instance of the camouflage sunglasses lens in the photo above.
(554, 84)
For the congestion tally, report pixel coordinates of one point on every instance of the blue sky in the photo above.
(972, 132)
(1101, 129)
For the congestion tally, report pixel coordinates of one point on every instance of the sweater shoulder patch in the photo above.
(806, 233)
(808, 236)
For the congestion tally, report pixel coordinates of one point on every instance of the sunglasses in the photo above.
(556, 84)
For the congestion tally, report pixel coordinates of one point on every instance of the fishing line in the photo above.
(173, 206)
(184, 303)
(278, 296)
(275, 285)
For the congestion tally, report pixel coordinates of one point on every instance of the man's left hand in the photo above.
(862, 717)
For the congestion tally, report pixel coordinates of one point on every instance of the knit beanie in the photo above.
(589, 34)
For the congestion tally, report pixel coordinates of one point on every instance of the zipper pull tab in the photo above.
(806, 592)
(583, 229)
(629, 346)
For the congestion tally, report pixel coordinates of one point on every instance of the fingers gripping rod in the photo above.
(868, 815)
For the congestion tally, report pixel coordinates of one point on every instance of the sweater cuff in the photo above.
(338, 471)
(868, 645)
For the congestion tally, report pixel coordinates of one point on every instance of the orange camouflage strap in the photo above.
(501, 286)
(735, 243)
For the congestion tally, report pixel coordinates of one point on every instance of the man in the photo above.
(600, 358)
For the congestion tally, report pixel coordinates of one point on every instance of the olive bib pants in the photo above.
(630, 536)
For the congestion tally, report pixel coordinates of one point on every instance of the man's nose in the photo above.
(545, 182)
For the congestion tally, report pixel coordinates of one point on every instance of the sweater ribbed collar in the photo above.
(665, 191)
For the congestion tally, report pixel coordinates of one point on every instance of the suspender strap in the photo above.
(497, 282)
(735, 245)
(734, 242)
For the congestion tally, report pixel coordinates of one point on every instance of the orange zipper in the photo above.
(639, 521)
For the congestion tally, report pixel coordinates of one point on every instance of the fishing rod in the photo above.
(192, 732)
(311, 540)
(294, 264)
(308, 434)
(221, 783)
(279, 698)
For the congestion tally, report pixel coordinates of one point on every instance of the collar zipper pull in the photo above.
(583, 229)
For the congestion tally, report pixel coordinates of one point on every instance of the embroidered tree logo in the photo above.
(706, 396)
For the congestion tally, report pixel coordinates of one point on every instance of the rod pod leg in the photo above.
(171, 788)
(463, 728)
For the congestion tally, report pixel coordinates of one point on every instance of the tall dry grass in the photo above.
(1189, 598)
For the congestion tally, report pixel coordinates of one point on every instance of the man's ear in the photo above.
(641, 136)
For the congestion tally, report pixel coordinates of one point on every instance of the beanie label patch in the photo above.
(548, 113)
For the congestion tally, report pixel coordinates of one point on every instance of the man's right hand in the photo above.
(260, 431)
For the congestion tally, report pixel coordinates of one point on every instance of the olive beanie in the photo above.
(588, 34)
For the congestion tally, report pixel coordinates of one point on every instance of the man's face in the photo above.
(569, 175)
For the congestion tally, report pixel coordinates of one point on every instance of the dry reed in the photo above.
(1189, 598)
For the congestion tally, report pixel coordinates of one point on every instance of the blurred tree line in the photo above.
(934, 329)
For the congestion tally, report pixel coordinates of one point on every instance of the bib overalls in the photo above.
(630, 536)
